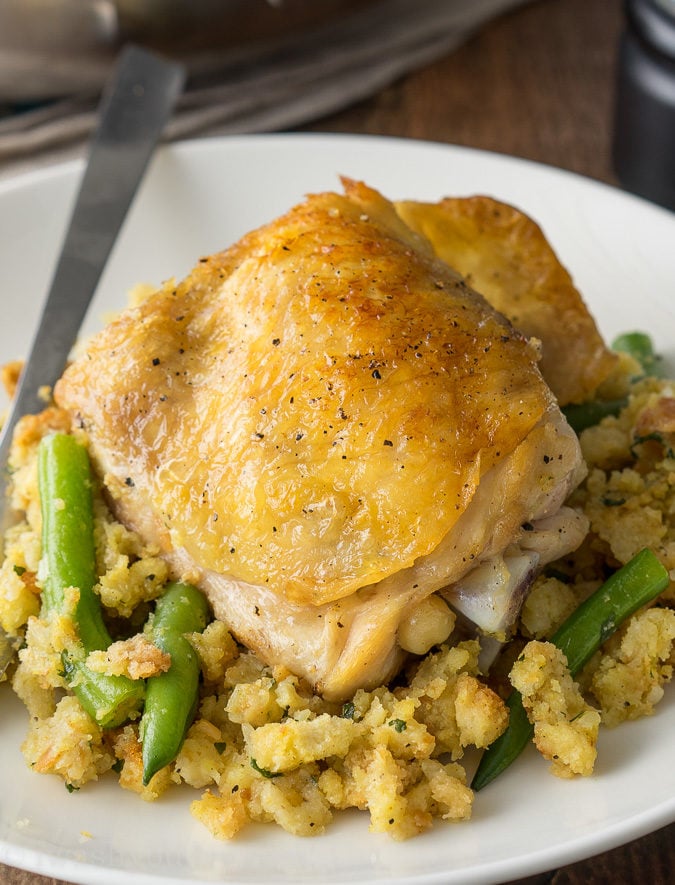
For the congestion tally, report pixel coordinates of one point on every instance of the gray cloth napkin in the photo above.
(255, 88)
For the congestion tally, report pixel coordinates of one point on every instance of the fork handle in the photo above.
(134, 109)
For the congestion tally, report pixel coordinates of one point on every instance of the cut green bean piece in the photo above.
(171, 697)
(623, 593)
(69, 560)
(69, 555)
(588, 414)
(508, 746)
(639, 345)
(109, 700)
(582, 415)
(627, 590)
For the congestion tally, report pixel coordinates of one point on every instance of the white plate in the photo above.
(198, 198)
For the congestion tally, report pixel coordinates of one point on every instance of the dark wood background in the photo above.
(537, 83)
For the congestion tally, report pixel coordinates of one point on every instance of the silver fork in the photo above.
(134, 108)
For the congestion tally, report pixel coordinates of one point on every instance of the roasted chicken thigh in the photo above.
(505, 256)
(324, 427)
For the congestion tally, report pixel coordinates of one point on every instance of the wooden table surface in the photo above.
(536, 83)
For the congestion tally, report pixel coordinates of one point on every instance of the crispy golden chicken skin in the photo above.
(505, 256)
(305, 424)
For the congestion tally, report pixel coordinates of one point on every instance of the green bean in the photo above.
(582, 415)
(69, 556)
(171, 697)
(634, 585)
(639, 346)
(69, 560)
(631, 587)
(109, 700)
(508, 746)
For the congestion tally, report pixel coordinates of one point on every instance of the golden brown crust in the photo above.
(505, 256)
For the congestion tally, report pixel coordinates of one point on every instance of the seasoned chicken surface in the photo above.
(322, 426)
(505, 256)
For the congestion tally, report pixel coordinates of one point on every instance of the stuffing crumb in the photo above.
(136, 658)
(19, 596)
(222, 815)
(200, 761)
(297, 805)
(38, 679)
(629, 678)
(254, 703)
(128, 752)
(548, 605)
(281, 753)
(216, 649)
(565, 726)
(282, 746)
(131, 572)
(443, 682)
(68, 744)
(629, 495)
(480, 715)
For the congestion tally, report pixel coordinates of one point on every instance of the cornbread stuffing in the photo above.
(565, 726)
(263, 747)
(629, 497)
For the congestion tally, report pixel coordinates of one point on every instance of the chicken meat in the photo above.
(324, 427)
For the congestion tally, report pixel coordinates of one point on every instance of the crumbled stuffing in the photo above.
(128, 753)
(548, 605)
(268, 749)
(629, 497)
(628, 681)
(565, 726)
(131, 572)
(67, 743)
(135, 657)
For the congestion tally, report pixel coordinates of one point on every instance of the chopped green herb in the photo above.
(398, 725)
(19, 570)
(612, 502)
(264, 771)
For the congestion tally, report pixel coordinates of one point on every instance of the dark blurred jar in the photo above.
(644, 135)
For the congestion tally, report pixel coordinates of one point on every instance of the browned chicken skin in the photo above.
(505, 256)
(322, 426)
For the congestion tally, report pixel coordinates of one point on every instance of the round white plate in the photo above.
(198, 198)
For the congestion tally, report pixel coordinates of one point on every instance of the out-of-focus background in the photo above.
(253, 65)
(586, 86)
(537, 79)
